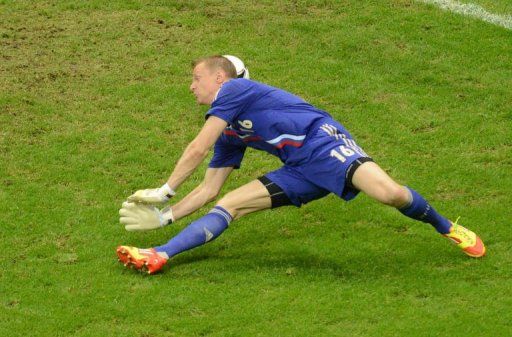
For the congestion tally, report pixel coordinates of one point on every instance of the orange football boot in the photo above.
(145, 260)
(467, 240)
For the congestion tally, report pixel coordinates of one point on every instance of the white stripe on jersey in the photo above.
(334, 131)
(323, 127)
(283, 136)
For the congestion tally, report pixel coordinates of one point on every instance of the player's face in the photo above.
(205, 83)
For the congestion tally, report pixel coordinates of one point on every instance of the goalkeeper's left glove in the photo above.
(142, 217)
(153, 195)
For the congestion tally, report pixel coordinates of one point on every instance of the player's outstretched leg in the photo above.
(372, 180)
(246, 199)
(198, 233)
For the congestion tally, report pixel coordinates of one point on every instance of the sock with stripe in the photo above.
(420, 209)
(198, 232)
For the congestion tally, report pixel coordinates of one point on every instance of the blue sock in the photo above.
(420, 209)
(198, 232)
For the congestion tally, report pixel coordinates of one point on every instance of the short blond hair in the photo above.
(217, 62)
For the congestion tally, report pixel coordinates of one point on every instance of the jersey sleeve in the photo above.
(233, 96)
(227, 152)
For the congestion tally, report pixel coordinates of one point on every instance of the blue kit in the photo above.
(317, 152)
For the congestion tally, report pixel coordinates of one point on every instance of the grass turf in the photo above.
(94, 105)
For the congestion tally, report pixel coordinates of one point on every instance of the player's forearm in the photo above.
(196, 199)
(189, 161)
(196, 151)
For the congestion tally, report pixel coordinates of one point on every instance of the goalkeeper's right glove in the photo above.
(153, 195)
(142, 217)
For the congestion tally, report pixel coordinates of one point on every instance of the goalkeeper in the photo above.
(319, 157)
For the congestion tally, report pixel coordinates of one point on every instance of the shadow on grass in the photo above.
(354, 265)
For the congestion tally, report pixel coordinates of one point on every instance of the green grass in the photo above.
(94, 104)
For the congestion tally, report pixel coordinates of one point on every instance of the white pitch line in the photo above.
(474, 11)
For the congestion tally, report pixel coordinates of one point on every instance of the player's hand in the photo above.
(153, 195)
(142, 217)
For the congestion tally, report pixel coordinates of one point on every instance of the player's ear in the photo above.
(221, 76)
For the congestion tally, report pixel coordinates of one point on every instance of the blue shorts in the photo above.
(334, 156)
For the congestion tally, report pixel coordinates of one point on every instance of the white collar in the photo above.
(216, 94)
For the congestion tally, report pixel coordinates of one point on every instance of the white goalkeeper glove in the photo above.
(142, 217)
(153, 195)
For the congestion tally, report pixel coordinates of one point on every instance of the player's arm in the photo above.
(229, 103)
(191, 158)
(204, 193)
(227, 156)
(196, 151)
(143, 217)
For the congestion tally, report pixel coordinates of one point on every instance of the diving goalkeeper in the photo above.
(319, 157)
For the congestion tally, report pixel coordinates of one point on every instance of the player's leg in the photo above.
(249, 198)
(283, 187)
(375, 182)
(246, 199)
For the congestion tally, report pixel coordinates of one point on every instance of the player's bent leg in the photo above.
(249, 198)
(246, 199)
(199, 232)
(375, 182)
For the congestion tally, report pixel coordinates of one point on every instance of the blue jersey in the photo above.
(319, 154)
(264, 118)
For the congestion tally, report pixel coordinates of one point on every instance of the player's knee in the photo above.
(396, 196)
(211, 195)
(228, 202)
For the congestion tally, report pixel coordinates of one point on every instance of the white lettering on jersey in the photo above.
(246, 124)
